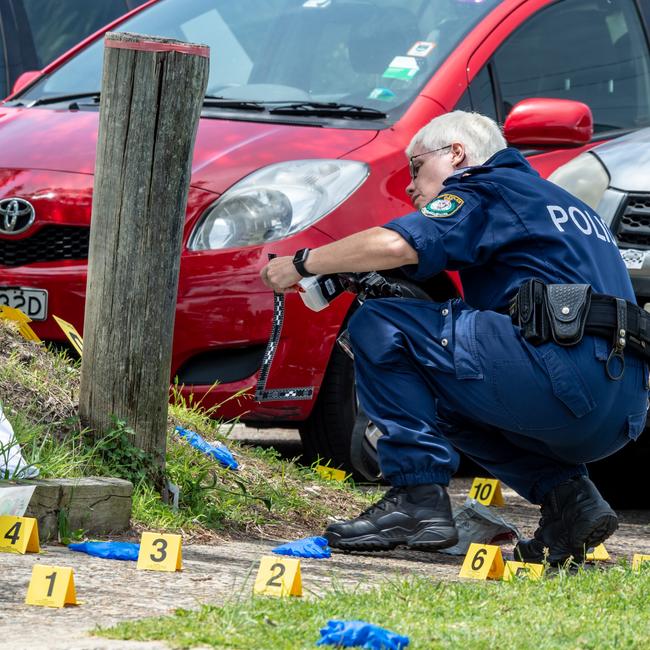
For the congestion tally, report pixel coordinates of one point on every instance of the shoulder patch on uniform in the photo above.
(443, 206)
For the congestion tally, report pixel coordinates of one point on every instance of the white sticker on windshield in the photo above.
(633, 258)
(421, 48)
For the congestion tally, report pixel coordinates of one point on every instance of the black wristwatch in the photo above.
(299, 260)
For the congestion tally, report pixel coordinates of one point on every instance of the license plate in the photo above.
(633, 258)
(32, 302)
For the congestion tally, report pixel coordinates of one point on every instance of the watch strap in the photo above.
(299, 260)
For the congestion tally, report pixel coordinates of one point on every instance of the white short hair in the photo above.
(480, 135)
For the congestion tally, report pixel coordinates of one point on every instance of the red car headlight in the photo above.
(277, 201)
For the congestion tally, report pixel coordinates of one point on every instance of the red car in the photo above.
(310, 106)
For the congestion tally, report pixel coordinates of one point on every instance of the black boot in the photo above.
(574, 519)
(418, 516)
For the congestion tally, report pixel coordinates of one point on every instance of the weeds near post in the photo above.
(117, 453)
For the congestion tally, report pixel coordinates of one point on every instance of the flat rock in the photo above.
(97, 505)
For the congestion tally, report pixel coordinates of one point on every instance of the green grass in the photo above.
(268, 496)
(267, 491)
(592, 609)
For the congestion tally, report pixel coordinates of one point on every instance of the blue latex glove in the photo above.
(314, 547)
(218, 451)
(108, 550)
(350, 634)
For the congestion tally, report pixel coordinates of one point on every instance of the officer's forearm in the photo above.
(375, 249)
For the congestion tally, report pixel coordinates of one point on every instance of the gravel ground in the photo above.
(112, 591)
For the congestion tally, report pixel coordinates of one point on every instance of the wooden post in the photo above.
(151, 97)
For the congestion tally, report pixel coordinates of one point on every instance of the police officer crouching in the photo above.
(539, 370)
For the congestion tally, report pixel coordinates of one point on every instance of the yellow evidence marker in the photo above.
(598, 554)
(160, 552)
(73, 336)
(330, 474)
(638, 560)
(19, 535)
(278, 576)
(51, 586)
(487, 491)
(10, 313)
(482, 562)
(522, 570)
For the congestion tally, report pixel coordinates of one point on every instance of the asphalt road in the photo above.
(286, 441)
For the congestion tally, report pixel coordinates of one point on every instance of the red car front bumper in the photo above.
(223, 322)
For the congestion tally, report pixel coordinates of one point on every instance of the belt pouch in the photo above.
(567, 306)
(533, 320)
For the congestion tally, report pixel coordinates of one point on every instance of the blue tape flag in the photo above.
(218, 450)
(314, 547)
(108, 550)
(349, 634)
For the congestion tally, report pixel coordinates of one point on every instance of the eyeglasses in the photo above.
(413, 169)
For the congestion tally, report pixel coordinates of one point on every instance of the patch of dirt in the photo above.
(39, 385)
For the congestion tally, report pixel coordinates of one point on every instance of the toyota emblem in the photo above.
(16, 215)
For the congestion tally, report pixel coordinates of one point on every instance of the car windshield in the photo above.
(374, 53)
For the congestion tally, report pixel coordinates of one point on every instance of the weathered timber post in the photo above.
(151, 97)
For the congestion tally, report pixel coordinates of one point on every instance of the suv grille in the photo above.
(634, 224)
(49, 244)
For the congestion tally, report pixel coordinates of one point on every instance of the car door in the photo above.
(592, 51)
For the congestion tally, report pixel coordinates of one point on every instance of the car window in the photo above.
(464, 103)
(58, 25)
(593, 51)
(481, 93)
(377, 53)
(3, 64)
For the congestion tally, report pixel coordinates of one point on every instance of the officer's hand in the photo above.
(280, 275)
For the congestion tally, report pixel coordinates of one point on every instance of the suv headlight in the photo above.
(277, 201)
(584, 177)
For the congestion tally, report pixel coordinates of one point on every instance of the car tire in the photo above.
(326, 435)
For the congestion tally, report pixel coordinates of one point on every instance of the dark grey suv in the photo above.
(614, 179)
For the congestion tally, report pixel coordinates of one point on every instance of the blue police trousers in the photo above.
(436, 377)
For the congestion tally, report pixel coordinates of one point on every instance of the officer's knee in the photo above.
(364, 324)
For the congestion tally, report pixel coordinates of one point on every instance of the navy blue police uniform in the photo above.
(440, 377)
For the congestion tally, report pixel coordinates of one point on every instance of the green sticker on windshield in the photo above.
(401, 67)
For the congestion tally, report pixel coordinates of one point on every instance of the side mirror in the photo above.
(24, 80)
(545, 121)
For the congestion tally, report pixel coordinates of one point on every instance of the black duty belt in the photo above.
(565, 312)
